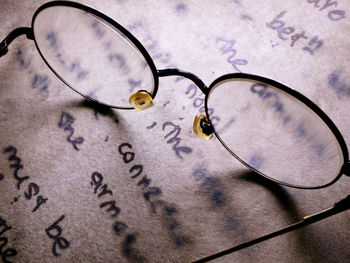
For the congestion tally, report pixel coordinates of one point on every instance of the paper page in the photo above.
(85, 184)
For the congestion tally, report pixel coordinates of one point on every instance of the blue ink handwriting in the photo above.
(152, 194)
(54, 232)
(119, 227)
(9, 252)
(283, 33)
(40, 82)
(33, 188)
(175, 139)
(65, 123)
(334, 14)
(227, 48)
(337, 84)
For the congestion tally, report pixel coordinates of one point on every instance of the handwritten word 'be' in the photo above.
(54, 232)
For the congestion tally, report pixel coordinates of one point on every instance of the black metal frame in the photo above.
(346, 166)
(339, 207)
(29, 32)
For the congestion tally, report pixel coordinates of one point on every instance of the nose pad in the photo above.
(141, 100)
(202, 127)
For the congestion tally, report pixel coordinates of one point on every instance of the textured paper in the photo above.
(186, 203)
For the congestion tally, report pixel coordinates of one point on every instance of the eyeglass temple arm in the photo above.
(176, 72)
(340, 206)
(12, 35)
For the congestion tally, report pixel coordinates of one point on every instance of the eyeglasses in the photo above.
(270, 128)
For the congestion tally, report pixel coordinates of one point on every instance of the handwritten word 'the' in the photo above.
(173, 138)
(227, 48)
(65, 123)
(9, 252)
(55, 233)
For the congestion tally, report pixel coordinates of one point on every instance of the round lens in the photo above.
(274, 133)
(91, 56)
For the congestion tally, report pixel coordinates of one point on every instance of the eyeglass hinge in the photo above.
(12, 35)
(3, 48)
(346, 168)
(206, 126)
(202, 127)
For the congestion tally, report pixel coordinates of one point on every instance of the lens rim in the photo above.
(109, 20)
(307, 102)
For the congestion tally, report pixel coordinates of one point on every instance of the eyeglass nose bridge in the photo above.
(188, 75)
(201, 125)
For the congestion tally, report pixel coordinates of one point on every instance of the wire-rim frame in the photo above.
(307, 102)
(169, 72)
(112, 22)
